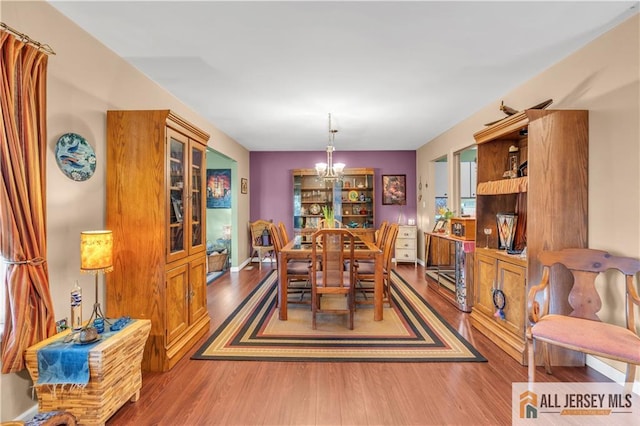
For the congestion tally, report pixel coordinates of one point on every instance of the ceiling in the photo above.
(393, 75)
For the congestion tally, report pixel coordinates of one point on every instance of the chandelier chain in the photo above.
(330, 172)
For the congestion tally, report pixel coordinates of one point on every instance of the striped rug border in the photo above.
(238, 338)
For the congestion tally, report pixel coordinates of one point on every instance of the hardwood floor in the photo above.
(310, 393)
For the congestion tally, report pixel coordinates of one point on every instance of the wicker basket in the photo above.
(217, 261)
(115, 376)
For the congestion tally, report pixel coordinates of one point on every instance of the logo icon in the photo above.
(528, 405)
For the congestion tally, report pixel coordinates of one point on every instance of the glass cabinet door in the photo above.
(196, 196)
(176, 208)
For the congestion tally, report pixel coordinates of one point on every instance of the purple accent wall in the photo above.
(271, 184)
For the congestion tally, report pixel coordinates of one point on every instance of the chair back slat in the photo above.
(583, 267)
(381, 234)
(328, 246)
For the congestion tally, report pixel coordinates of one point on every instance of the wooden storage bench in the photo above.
(115, 376)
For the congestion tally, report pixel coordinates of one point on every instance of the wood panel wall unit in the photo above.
(551, 203)
(156, 171)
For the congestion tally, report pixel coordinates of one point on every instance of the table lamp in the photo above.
(96, 255)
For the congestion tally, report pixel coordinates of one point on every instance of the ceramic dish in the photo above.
(353, 195)
(77, 342)
(314, 209)
(75, 157)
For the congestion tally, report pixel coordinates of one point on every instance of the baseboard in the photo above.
(612, 373)
(29, 414)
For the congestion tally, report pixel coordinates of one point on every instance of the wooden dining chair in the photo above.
(297, 270)
(381, 234)
(283, 233)
(331, 249)
(365, 275)
(582, 330)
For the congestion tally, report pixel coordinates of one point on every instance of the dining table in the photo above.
(301, 250)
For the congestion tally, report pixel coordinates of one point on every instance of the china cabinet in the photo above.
(156, 172)
(547, 190)
(352, 200)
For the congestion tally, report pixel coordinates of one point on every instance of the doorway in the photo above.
(222, 227)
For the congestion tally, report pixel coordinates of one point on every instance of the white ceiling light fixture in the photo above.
(330, 172)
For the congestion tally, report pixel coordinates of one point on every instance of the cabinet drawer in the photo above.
(406, 232)
(405, 243)
(403, 255)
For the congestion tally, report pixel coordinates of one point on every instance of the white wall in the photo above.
(85, 79)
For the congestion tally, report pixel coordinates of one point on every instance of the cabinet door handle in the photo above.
(189, 295)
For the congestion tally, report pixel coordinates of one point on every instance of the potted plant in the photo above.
(329, 221)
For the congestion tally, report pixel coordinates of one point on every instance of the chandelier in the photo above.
(330, 172)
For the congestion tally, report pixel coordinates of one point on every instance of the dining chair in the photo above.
(283, 233)
(258, 244)
(330, 249)
(365, 275)
(379, 238)
(381, 234)
(589, 274)
(297, 270)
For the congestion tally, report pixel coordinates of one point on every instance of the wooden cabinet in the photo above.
(497, 271)
(156, 209)
(468, 171)
(406, 245)
(442, 179)
(550, 200)
(352, 199)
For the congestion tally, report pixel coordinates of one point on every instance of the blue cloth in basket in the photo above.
(61, 363)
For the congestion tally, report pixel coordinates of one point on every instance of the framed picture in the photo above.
(244, 185)
(394, 189)
(439, 226)
(218, 188)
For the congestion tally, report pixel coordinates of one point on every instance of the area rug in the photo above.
(410, 332)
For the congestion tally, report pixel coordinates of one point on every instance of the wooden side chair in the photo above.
(258, 247)
(331, 249)
(381, 234)
(283, 233)
(366, 270)
(297, 270)
(582, 330)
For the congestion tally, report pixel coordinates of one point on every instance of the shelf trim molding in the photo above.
(504, 186)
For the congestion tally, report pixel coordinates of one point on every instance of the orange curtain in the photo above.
(29, 316)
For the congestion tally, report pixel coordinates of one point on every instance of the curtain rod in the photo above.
(26, 39)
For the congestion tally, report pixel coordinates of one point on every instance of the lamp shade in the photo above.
(96, 251)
